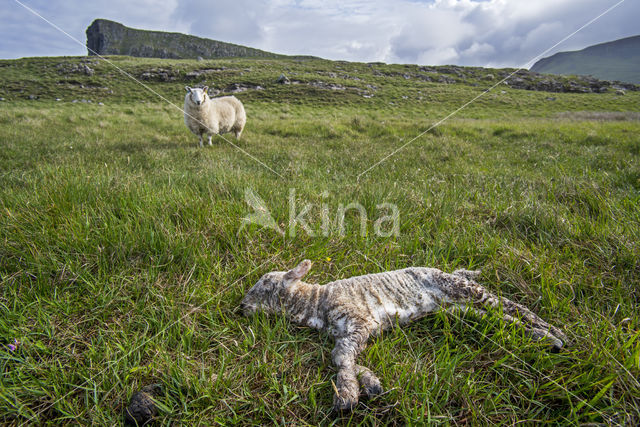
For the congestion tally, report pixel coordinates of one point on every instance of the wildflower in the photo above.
(14, 346)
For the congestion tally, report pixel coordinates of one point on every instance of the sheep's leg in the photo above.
(530, 320)
(344, 357)
(210, 143)
(462, 289)
(538, 331)
(368, 381)
(200, 142)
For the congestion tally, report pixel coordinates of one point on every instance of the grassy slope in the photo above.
(617, 60)
(584, 64)
(121, 262)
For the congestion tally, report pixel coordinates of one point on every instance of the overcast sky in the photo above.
(429, 32)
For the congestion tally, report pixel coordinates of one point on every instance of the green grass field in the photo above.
(123, 257)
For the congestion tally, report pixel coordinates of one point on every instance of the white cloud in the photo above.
(239, 21)
(438, 55)
(25, 34)
(479, 50)
(547, 33)
(429, 30)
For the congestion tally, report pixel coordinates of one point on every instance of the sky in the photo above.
(493, 33)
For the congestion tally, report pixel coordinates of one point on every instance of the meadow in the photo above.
(124, 250)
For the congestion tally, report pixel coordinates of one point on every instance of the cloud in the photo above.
(500, 32)
(427, 34)
(354, 30)
(465, 32)
(329, 31)
(236, 20)
(25, 34)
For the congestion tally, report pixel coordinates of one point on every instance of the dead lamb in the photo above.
(353, 309)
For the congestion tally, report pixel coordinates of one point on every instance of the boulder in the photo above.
(283, 80)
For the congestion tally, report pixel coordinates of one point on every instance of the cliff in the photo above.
(106, 37)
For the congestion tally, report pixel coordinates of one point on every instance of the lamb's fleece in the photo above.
(213, 116)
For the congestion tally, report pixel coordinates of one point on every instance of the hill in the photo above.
(375, 83)
(106, 37)
(616, 60)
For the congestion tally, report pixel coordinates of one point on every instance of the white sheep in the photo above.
(213, 116)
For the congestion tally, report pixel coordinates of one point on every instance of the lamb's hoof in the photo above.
(142, 408)
(342, 405)
(373, 390)
(546, 337)
(558, 334)
(555, 343)
(556, 346)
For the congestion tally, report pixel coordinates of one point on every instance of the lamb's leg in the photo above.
(537, 330)
(368, 381)
(461, 290)
(530, 320)
(540, 334)
(344, 356)
(201, 141)
(210, 143)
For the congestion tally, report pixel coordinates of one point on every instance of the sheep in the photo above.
(213, 116)
(356, 308)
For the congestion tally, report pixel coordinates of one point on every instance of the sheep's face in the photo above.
(198, 95)
(269, 294)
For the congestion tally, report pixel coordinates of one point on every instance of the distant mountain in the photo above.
(106, 37)
(616, 60)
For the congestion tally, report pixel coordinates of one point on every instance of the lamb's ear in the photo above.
(188, 89)
(298, 272)
(205, 89)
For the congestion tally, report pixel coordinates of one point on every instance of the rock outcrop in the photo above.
(516, 79)
(106, 37)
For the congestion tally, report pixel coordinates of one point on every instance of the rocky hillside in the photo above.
(616, 60)
(106, 37)
(301, 81)
(516, 79)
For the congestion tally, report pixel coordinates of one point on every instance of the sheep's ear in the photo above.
(205, 89)
(298, 272)
(188, 89)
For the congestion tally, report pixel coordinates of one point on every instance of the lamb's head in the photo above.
(196, 95)
(269, 294)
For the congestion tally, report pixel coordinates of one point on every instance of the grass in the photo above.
(122, 257)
